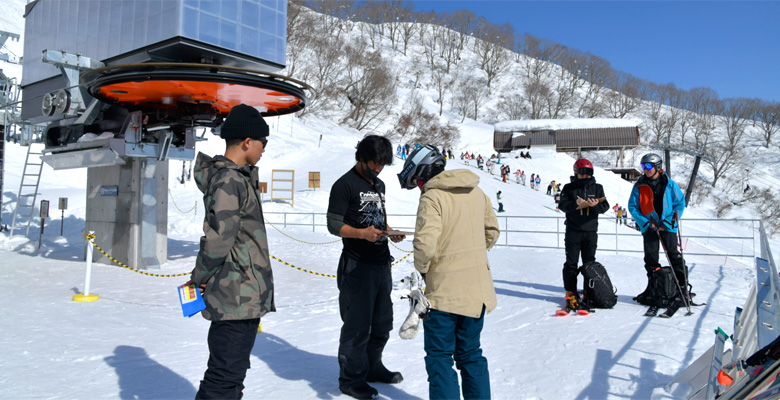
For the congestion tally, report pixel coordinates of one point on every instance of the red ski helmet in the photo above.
(583, 167)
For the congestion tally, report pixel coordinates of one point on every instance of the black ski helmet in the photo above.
(423, 164)
(654, 159)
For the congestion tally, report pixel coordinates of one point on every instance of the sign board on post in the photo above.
(63, 206)
(44, 209)
(263, 188)
(44, 214)
(283, 185)
(314, 180)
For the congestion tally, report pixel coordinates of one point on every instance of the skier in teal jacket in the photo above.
(657, 212)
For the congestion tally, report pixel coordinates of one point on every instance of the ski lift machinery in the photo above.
(135, 82)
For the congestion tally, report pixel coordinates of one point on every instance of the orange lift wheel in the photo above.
(165, 85)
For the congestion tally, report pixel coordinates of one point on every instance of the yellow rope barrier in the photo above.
(91, 238)
(405, 251)
(180, 210)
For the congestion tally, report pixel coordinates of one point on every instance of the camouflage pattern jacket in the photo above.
(233, 257)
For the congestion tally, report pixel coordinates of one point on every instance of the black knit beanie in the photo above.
(244, 122)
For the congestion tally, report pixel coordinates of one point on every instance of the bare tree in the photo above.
(442, 83)
(768, 119)
(536, 92)
(492, 48)
(409, 25)
(723, 154)
(512, 107)
(704, 103)
(370, 86)
(624, 97)
(537, 52)
(370, 14)
(448, 47)
(416, 125)
(597, 72)
(299, 25)
(464, 23)
(391, 12)
(673, 115)
(323, 54)
(480, 93)
(468, 95)
(430, 38)
(335, 15)
(658, 108)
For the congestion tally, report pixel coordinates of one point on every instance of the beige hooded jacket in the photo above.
(455, 228)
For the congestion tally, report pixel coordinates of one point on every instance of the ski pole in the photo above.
(679, 244)
(676, 281)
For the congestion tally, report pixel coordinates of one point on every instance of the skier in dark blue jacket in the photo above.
(662, 211)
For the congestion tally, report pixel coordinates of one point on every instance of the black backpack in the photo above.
(599, 292)
(662, 291)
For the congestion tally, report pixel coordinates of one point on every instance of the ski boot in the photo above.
(361, 391)
(572, 300)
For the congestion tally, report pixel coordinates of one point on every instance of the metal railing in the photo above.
(547, 232)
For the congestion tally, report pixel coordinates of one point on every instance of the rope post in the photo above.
(86, 297)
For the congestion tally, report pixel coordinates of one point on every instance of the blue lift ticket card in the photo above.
(191, 301)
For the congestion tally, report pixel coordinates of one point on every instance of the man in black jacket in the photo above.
(582, 200)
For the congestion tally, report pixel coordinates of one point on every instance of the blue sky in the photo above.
(732, 47)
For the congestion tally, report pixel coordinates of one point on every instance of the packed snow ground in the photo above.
(134, 342)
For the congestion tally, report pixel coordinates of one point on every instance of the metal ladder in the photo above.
(28, 191)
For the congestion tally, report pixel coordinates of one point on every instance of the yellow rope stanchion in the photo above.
(180, 210)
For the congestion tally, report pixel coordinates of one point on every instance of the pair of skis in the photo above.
(581, 310)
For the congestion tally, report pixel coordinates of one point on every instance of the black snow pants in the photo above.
(367, 313)
(577, 242)
(652, 244)
(230, 344)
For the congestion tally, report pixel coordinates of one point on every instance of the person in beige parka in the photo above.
(455, 227)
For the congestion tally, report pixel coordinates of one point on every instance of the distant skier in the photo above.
(537, 183)
(500, 204)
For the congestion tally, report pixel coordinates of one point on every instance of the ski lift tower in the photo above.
(8, 109)
(122, 85)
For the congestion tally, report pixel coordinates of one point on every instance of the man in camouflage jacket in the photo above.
(232, 268)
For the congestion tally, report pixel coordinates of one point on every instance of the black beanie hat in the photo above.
(244, 122)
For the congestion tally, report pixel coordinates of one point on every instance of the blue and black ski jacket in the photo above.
(673, 200)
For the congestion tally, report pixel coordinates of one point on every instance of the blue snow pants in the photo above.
(451, 337)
